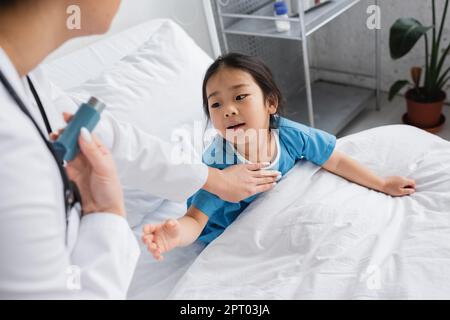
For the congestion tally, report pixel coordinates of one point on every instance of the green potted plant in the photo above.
(426, 98)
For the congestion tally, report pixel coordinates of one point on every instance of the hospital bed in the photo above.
(314, 235)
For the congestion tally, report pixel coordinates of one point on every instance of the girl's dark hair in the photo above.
(257, 69)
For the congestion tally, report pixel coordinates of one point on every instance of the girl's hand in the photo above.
(399, 186)
(162, 237)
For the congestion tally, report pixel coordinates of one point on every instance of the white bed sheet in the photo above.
(153, 279)
(318, 236)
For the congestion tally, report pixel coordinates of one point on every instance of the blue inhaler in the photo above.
(88, 115)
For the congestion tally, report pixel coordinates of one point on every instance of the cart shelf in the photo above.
(262, 21)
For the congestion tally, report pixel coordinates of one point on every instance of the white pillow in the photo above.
(73, 69)
(158, 87)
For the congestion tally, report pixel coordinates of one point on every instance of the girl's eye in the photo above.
(215, 105)
(241, 97)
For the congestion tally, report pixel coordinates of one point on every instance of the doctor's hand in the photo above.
(95, 174)
(241, 181)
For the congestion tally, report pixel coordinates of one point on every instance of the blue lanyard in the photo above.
(71, 193)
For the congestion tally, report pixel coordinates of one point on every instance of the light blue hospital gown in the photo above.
(295, 142)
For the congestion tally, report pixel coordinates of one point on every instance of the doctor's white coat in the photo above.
(96, 255)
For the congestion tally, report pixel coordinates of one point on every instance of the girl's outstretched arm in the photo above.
(172, 233)
(348, 168)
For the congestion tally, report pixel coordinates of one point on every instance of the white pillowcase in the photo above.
(158, 87)
(88, 62)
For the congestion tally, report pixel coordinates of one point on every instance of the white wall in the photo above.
(187, 13)
(347, 44)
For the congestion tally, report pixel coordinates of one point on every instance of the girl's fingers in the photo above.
(408, 191)
(412, 183)
(146, 238)
(152, 247)
(157, 255)
(409, 183)
(149, 228)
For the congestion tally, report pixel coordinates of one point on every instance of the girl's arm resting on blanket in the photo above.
(193, 224)
(348, 168)
(172, 233)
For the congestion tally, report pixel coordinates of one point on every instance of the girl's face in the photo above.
(237, 105)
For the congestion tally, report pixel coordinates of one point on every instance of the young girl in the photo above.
(241, 99)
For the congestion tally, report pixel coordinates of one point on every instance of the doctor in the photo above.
(47, 248)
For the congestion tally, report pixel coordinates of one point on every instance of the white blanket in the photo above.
(318, 236)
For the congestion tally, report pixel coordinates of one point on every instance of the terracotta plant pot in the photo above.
(424, 115)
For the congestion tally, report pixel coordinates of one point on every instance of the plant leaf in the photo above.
(442, 60)
(444, 82)
(404, 34)
(396, 87)
(427, 62)
(441, 79)
(444, 16)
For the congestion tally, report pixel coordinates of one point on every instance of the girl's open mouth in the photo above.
(236, 126)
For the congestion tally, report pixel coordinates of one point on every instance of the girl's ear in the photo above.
(272, 104)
